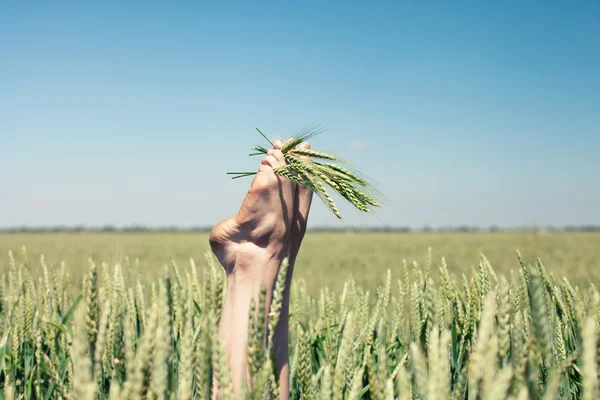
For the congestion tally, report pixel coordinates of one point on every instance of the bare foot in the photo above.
(260, 229)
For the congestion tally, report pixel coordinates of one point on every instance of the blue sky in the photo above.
(466, 113)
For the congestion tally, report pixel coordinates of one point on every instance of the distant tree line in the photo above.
(143, 228)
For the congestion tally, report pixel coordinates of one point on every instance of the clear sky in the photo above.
(466, 113)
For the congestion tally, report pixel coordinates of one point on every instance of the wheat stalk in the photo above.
(345, 345)
(357, 190)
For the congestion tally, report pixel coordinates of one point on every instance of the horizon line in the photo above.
(108, 228)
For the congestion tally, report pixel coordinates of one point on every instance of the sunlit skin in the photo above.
(251, 245)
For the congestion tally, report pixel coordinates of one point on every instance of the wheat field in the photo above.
(325, 256)
(134, 316)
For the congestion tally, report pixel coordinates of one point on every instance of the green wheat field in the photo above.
(372, 316)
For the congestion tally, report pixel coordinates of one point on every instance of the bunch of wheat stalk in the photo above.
(421, 336)
(319, 171)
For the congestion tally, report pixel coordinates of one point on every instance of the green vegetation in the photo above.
(326, 259)
(128, 330)
(301, 166)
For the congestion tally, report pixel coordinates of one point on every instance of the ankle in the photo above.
(255, 266)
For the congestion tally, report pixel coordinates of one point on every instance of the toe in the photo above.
(264, 168)
(263, 178)
(304, 145)
(278, 156)
(270, 160)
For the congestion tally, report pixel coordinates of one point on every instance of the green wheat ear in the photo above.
(358, 190)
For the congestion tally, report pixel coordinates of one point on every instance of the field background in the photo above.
(325, 258)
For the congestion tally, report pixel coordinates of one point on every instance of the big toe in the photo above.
(262, 179)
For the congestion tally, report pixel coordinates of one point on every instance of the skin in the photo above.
(251, 245)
